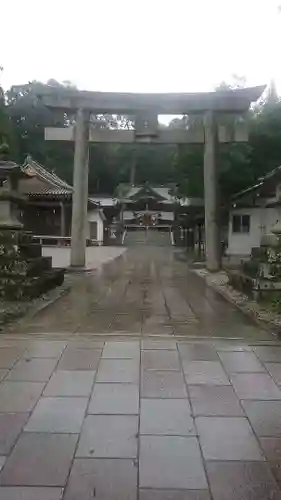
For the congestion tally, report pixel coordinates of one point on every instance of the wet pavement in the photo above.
(139, 419)
(148, 290)
(141, 384)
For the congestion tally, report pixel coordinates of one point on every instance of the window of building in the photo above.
(240, 223)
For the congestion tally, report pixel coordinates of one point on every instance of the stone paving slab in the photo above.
(160, 360)
(204, 372)
(11, 425)
(105, 479)
(2, 462)
(214, 400)
(242, 481)
(227, 438)
(86, 344)
(162, 384)
(171, 462)
(268, 353)
(79, 359)
(61, 415)
(118, 370)
(159, 416)
(3, 373)
(255, 386)
(32, 369)
(173, 495)
(26, 493)
(198, 352)
(275, 371)
(124, 350)
(158, 344)
(237, 362)
(9, 356)
(109, 436)
(39, 460)
(19, 396)
(70, 383)
(114, 399)
(264, 416)
(44, 349)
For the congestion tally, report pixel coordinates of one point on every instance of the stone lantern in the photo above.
(24, 272)
(276, 229)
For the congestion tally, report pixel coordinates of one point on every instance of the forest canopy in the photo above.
(23, 119)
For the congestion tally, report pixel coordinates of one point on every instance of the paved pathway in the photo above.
(88, 420)
(130, 388)
(146, 291)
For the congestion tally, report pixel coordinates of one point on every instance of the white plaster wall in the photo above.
(261, 221)
(128, 215)
(167, 216)
(95, 256)
(270, 217)
(95, 216)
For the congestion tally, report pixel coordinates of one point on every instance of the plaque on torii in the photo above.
(211, 106)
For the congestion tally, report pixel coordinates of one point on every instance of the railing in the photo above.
(60, 240)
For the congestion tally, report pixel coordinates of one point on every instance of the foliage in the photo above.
(251, 268)
(6, 129)
(273, 302)
(240, 165)
(23, 119)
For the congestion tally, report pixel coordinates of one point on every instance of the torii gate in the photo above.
(146, 108)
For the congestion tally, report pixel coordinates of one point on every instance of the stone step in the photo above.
(39, 265)
(31, 287)
(10, 267)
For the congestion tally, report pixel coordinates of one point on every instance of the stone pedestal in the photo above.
(8, 211)
(24, 273)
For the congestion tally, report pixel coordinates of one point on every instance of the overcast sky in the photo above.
(141, 46)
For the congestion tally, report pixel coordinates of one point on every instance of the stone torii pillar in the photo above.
(212, 230)
(80, 192)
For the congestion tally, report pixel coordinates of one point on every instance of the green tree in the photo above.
(23, 119)
(7, 139)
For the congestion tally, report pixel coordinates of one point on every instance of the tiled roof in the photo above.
(50, 192)
(163, 192)
(103, 201)
(260, 183)
(50, 184)
(42, 183)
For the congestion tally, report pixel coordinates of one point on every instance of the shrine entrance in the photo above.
(211, 129)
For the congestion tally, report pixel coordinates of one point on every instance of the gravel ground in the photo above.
(258, 312)
(11, 311)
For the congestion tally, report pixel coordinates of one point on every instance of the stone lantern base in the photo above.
(24, 273)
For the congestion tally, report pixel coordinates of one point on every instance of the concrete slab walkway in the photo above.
(150, 419)
(141, 384)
